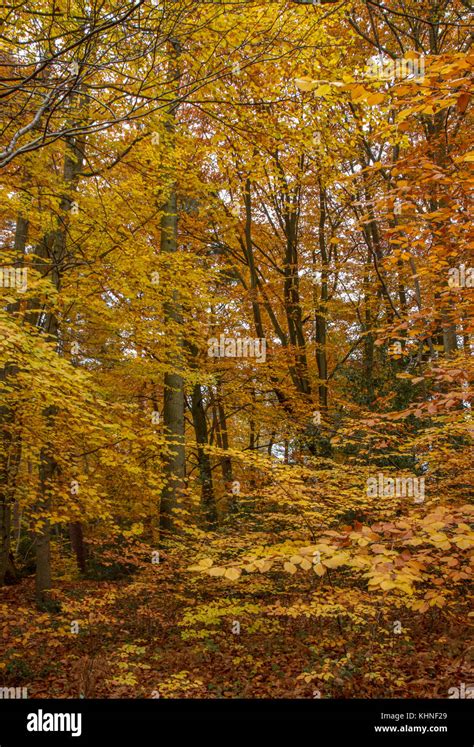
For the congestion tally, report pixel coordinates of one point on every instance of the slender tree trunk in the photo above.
(251, 260)
(9, 461)
(222, 436)
(10, 451)
(208, 502)
(369, 344)
(76, 537)
(43, 535)
(174, 400)
(173, 410)
(256, 287)
(293, 309)
(321, 321)
(5, 529)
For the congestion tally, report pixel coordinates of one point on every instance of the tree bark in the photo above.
(174, 401)
(321, 323)
(76, 537)
(208, 502)
(50, 257)
(173, 410)
(10, 453)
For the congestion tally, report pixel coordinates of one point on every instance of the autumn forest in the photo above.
(236, 337)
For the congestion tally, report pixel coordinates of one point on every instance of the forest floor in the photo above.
(158, 635)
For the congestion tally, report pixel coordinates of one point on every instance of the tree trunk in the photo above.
(208, 502)
(222, 437)
(50, 255)
(42, 539)
(227, 472)
(173, 410)
(10, 452)
(76, 537)
(321, 323)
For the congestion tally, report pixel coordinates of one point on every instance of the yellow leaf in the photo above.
(232, 573)
(263, 565)
(290, 568)
(202, 565)
(309, 550)
(359, 92)
(216, 571)
(463, 542)
(296, 559)
(323, 90)
(376, 98)
(319, 569)
(305, 84)
(335, 561)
